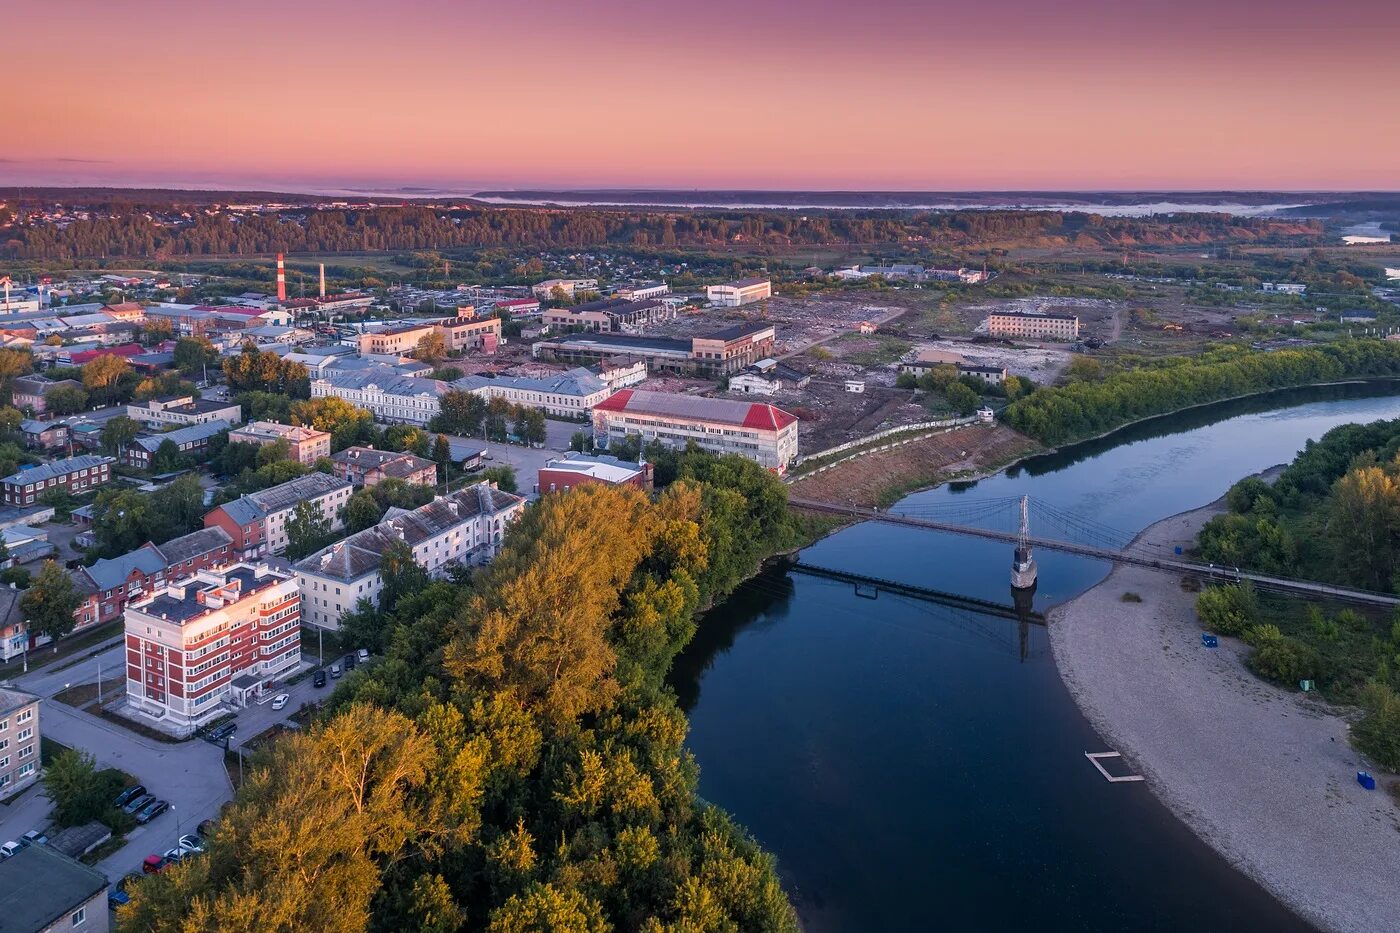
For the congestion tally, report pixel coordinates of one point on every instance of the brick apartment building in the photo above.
(109, 584)
(210, 640)
(75, 474)
(257, 522)
(30, 392)
(306, 444)
(19, 739)
(191, 440)
(365, 466)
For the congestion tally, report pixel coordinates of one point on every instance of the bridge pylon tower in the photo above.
(1023, 569)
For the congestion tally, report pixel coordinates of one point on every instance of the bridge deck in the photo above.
(1170, 565)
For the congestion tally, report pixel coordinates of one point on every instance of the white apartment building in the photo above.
(257, 522)
(760, 432)
(568, 287)
(1033, 325)
(466, 527)
(210, 641)
(742, 292)
(388, 395)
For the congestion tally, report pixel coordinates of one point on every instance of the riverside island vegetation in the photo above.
(515, 761)
(1096, 400)
(1332, 515)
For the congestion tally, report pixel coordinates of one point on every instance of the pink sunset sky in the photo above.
(880, 94)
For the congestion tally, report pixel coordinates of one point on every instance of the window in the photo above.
(79, 916)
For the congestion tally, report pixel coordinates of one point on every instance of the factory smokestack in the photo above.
(323, 280)
(281, 279)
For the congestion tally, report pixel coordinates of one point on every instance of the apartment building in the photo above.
(192, 440)
(717, 354)
(365, 466)
(30, 392)
(742, 292)
(43, 890)
(568, 288)
(388, 395)
(183, 410)
(109, 584)
(467, 332)
(1033, 325)
(760, 432)
(210, 640)
(619, 372)
(570, 394)
(19, 740)
(74, 474)
(305, 444)
(581, 469)
(466, 527)
(257, 522)
(518, 307)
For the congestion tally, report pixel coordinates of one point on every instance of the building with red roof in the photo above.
(87, 356)
(755, 430)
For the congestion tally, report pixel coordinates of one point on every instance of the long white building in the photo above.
(569, 394)
(387, 394)
(742, 292)
(760, 432)
(466, 527)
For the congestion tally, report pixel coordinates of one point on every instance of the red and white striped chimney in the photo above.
(281, 279)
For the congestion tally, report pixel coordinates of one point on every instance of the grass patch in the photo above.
(110, 847)
(80, 695)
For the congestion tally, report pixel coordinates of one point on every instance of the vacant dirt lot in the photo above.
(880, 478)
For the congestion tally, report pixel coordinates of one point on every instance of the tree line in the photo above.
(1095, 403)
(515, 761)
(132, 233)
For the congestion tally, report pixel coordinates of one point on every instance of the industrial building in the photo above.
(718, 354)
(742, 292)
(1033, 325)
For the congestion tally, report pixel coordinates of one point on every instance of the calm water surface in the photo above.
(918, 767)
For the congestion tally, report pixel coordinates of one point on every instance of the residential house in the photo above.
(192, 441)
(365, 466)
(109, 584)
(306, 444)
(44, 891)
(19, 741)
(43, 435)
(30, 392)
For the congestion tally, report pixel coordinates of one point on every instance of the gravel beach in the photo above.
(1265, 776)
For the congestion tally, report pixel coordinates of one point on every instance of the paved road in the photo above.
(526, 461)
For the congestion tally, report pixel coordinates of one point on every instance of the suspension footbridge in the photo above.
(1009, 519)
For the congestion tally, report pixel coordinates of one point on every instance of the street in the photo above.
(526, 461)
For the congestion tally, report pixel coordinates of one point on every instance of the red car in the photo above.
(154, 864)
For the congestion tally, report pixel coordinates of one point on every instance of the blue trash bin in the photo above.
(1365, 780)
(1178, 550)
(1210, 641)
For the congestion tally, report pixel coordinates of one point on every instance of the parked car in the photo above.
(350, 662)
(9, 849)
(136, 803)
(280, 701)
(335, 671)
(150, 811)
(175, 855)
(116, 897)
(153, 864)
(364, 654)
(205, 828)
(191, 843)
(318, 679)
(130, 794)
(33, 838)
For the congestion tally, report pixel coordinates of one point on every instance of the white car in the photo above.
(9, 849)
(280, 701)
(189, 844)
(364, 654)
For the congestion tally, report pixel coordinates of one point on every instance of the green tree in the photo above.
(103, 375)
(442, 454)
(1377, 734)
(307, 531)
(399, 574)
(461, 413)
(432, 348)
(80, 793)
(168, 458)
(543, 907)
(361, 511)
(194, 354)
(60, 500)
(963, 400)
(50, 603)
(118, 433)
(503, 476)
(65, 400)
(1228, 610)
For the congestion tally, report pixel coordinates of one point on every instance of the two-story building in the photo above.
(30, 392)
(760, 432)
(183, 410)
(73, 474)
(365, 466)
(191, 440)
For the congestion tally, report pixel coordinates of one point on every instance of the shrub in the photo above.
(1284, 660)
(1377, 735)
(1229, 609)
(1130, 598)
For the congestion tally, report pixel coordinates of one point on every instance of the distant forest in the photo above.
(186, 231)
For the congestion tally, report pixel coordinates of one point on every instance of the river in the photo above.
(914, 766)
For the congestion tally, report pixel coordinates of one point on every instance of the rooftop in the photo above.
(288, 494)
(736, 331)
(39, 885)
(578, 381)
(746, 283)
(190, 434)
(272, 430)
(11, 699)
(1040, 315)
(206, 591)
(57, 468)
(698, 408)
(607, 469)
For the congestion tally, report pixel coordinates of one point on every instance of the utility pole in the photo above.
(99, 683)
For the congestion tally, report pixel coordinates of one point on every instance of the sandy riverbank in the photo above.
(1265, 776)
